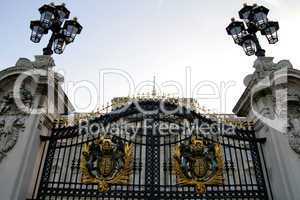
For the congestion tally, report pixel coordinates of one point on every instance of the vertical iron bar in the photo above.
(242, 159)
(68, 160)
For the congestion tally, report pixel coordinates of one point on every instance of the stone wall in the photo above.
(272, 100)
(24, 116)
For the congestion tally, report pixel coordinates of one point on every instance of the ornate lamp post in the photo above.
(255, 20)
(54, 18)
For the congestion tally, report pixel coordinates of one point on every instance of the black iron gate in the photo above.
(153, 174)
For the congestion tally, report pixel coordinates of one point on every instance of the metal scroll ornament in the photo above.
(198, 164)
(106, 162)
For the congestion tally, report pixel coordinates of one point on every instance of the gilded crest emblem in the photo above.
(198, 164)
(106, 161)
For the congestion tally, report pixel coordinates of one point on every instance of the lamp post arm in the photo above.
(260, 52)
(48, 49)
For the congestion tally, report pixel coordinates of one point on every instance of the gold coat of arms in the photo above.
(198, 164)
(106, 161)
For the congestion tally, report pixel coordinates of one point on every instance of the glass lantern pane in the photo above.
(238, 38)
(249, 47)
(46, 19)
(246, 14)
(70, 32)
(272, 38)
(59, 45)
(236, 30)
(271, 34)
(260, 20)
(37, 33)
(62, 15)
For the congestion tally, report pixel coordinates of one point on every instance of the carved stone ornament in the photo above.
(8, 105)
(9, 133)
(198, 164)
(294, 134)
(294, 122)
(106, 161)
(264, 66)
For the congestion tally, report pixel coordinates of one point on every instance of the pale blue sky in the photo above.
(147, 37)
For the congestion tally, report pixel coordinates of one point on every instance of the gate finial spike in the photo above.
(154, 89)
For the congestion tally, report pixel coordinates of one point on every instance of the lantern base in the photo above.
(47, 51)
(260, 53)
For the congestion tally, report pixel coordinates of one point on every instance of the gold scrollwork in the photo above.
(105, 163)
(198, 164)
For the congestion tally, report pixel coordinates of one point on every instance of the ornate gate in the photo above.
(156, 172)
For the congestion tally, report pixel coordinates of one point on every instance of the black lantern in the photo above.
(52, 18)
(255, 18)
(271, 32)
(62, 12)
(236, 30)
(37, 31)
(259, 16)
(249, 45)
(71, 29)
(244, 13)
(59, 44)
(47, 15)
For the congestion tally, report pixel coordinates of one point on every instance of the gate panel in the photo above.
(153, 174)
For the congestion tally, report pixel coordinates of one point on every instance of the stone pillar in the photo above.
(24, 116)
(272, 100)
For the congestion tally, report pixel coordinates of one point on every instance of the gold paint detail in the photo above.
(190, 179)
(104, 181)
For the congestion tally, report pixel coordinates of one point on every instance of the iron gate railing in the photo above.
(152, 177)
